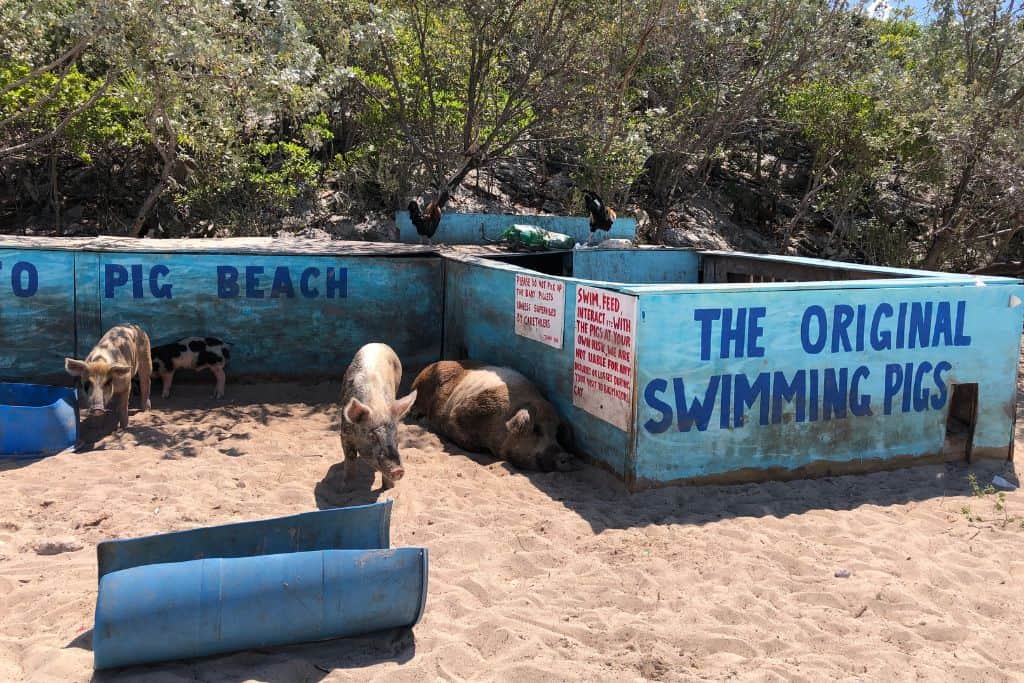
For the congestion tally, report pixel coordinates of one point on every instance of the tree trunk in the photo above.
(151, 200)
(938, 249)
(55, 192)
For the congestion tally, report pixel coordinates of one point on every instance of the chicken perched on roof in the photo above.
(427, 220)
(601, 215)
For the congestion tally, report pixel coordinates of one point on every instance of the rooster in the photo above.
(426, 221)
(601, 215)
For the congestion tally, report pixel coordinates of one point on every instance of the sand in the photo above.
(534, 577)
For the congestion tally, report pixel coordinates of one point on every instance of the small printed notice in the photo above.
(540, 309)
(605, 341)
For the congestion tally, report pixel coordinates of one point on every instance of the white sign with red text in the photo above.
(605, 343)
(540, 309)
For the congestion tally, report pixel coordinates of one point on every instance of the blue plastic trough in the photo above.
(360, 527)
(36, 420)
(205, 607)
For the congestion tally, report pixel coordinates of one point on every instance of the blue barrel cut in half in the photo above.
(190, 609)
(359, 527)
(37, 420)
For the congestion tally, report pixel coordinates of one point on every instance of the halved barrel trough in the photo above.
(305, 580)
(36, 420)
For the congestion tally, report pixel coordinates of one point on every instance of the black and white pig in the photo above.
(192, 353)
(107, 371)
(370, 412)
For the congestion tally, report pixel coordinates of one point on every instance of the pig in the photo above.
(192, 353)
(488, 408)
(370, 412)
(107, 371)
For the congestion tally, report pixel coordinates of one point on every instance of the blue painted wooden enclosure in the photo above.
(671, 365)
(291, 309)
(486, 228)
(760, 367)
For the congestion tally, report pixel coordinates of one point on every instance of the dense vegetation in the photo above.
(799, 125)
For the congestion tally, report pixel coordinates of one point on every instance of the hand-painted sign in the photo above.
(784, 379)
(813, 393)
(232, 282)
(540, 309)
(37, 313)
(23, 278)
(604, 356)
(276, 309)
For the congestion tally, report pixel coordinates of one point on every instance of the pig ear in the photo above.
(520, 422)
(401, 407)
(75, 368)
(122, 370)
(356, 411)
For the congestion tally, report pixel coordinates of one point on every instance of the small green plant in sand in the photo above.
(998, 503)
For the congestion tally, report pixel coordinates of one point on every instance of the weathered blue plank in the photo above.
(480, 325)
(287, 316)
(753, 398)
(486, 228)
(37, 320)
(88, 320)
(646, 266)
(825, 263)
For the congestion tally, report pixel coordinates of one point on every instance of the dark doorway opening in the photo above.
(960, 421)
(548, 263)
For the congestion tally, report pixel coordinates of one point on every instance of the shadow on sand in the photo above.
(603, 501)
(306, 662)
(333, 491)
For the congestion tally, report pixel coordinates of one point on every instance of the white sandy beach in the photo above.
(539, 577)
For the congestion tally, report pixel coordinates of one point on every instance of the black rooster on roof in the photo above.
(601, 215)
(427, 220)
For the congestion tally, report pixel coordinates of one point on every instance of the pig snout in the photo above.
(96, 406)
(390, 466)
(556, 460)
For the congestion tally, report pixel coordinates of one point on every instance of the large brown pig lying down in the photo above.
(107, 371)
(494, 409)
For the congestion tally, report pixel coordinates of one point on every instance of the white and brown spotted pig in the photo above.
(370, 412)
(107, 371)
(495, 409)
(192, 353)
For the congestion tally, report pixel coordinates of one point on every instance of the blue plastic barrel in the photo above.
(358, 527)
(180, 610)
(37, 420)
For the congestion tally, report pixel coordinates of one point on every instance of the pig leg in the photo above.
(167, 378)
(121, 403)
(349, 450)
(145, 381)
(218, 372)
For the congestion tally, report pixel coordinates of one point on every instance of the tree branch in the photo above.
(44, 139)
(71, 53)
(42, 100)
